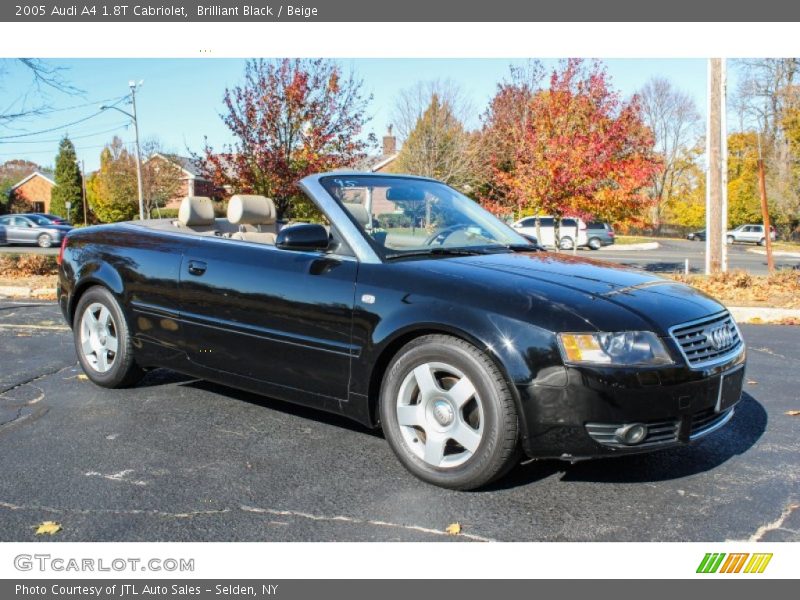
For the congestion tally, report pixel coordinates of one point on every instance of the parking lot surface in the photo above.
(176, 459)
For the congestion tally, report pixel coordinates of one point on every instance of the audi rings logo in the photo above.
(719, 337)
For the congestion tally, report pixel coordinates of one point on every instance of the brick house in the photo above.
(383, 164)
(33, 193)
(193, 183)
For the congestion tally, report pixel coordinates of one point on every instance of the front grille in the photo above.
(697, 343)
(658, 432)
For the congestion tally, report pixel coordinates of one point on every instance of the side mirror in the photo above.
(303, 236)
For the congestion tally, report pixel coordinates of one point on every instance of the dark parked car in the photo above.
(599, 234)
(31, 229)
(53, 218)
(463, 341)
(697, 236)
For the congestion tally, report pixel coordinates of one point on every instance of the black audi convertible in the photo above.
(407, 308)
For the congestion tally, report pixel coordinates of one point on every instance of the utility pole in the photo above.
(762, 188)
(83, 192)
(133, 85)
(716, 173)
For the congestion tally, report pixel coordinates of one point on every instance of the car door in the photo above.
(277, 316)
(20, 231)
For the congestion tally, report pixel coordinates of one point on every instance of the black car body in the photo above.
(697, 236)
(324, 327)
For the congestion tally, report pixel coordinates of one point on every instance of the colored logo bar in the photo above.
(735, 562)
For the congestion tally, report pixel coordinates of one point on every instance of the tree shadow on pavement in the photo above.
(745, 428)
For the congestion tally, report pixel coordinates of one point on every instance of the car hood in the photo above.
(592, 290)
(54, 227)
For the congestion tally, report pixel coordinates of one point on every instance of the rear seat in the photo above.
(254, 215)
(197, 214)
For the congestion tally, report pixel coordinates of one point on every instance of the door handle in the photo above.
(197, 267)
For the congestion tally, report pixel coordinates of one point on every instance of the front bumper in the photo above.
(582, 419)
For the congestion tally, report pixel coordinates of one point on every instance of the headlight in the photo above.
(622, 348)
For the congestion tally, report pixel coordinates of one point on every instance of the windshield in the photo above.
(405, 216)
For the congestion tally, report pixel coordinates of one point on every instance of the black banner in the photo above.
(405, 10)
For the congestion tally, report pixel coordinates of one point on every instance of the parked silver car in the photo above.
(31, 229)
(753, 234)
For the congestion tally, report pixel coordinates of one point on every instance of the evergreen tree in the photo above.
(68, 182)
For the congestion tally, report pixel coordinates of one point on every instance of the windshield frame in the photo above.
(515, 240)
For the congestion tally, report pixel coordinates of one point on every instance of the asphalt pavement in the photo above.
(176, 459)
(671, 255)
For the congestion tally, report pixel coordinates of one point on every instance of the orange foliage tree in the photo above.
(573, 148)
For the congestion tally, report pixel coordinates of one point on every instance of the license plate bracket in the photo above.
(730, 389)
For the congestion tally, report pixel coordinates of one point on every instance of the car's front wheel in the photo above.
(448, 413)
(44, 240)
(730, 239)
(103, 341)
(566, 243)
(762, 242)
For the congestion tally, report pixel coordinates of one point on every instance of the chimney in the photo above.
(389, 143)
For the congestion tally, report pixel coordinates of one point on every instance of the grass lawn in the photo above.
(625, 240)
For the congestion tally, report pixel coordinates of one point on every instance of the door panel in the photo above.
(271, 315)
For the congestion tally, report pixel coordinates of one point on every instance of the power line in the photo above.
(22, 135)
(16, 154)
(72, 137)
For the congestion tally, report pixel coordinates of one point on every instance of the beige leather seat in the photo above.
(359, 212)
(197, 214)
(258, 211)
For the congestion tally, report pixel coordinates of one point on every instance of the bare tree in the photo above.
(43, 77)
(431, 121)
(676, 124)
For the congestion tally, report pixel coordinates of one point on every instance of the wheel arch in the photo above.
(400, 338)
(105, 277)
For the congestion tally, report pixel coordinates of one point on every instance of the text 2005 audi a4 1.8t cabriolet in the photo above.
(413, 310)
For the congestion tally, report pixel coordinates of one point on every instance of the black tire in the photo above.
(595, 243)
(44, 240)
(497, 451)
(762, 242)
(566, 243)
(123, 371)
(730, 239)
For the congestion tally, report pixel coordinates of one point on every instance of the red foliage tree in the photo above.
(573, 148)
(290, 118)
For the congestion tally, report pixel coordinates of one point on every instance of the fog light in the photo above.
(630, 435)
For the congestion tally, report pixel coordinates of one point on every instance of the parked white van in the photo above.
(571, 229)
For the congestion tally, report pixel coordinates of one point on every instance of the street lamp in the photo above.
(133, 85)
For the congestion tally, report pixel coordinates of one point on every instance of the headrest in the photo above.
(196, 211)
(359, 212)
(251, 210)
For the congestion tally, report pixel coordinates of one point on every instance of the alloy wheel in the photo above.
(99, 342)
(440, 415)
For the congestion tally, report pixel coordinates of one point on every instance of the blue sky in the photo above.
(181, 99)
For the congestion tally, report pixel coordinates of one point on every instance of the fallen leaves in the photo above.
(793, 413)
(48, 528)
(82, 377)
(752, 382)
(780, 289)
(453, 528)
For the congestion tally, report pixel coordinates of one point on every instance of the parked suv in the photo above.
(753, 234)
(570, 231)
(599, 234)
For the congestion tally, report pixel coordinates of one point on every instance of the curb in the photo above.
(774, 253)
(755, 315)
(626, 247)
(19, 291)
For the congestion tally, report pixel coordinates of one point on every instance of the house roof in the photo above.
(186, 164)
(47, 175)
(383, 161)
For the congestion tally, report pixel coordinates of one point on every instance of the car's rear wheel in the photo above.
(44, 240)
(448, 413)
(762, 242)
(566, 243)
(730, 240)
(595, 243)
(103, 341)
